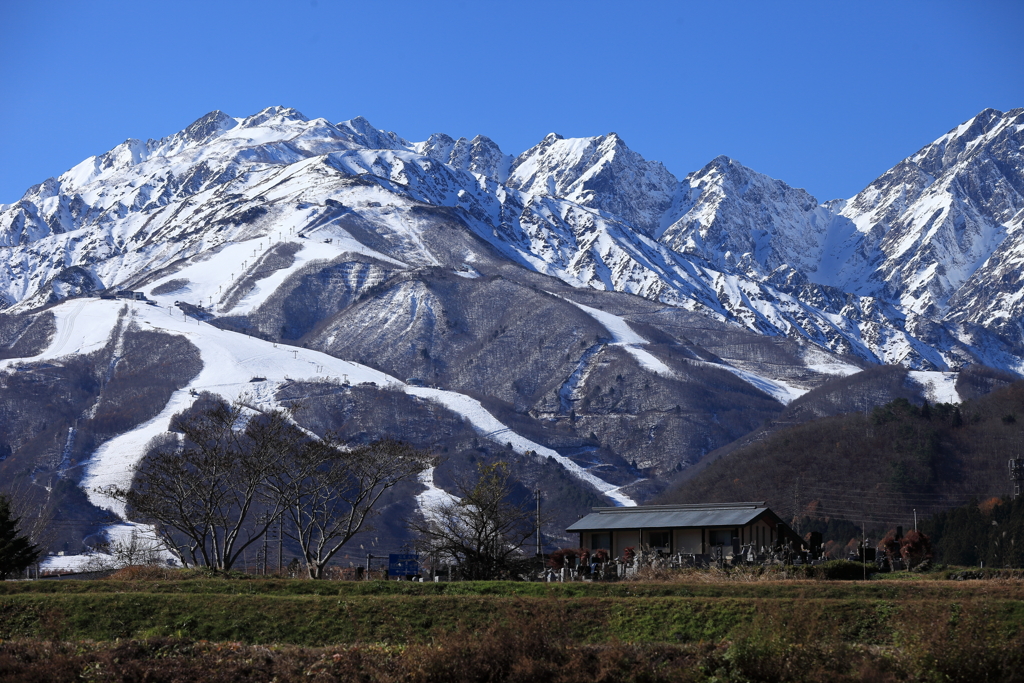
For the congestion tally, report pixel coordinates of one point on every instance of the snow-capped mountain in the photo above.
(896, 274)
(933, 221)
(597, 173)
(740, 220)
(576, 308)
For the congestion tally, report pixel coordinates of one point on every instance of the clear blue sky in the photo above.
(824, 95)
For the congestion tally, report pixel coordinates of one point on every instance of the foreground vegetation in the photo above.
(525, 653)
(734, 628)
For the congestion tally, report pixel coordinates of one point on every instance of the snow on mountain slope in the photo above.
(940, 387)
(737, 219)
(280, 225)
(879, 276)
(623, 335)
(239, 367)
(599, 173)
(488, 425)
(480, 156)
(937, 217)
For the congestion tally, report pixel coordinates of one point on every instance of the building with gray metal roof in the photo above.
(687, 529)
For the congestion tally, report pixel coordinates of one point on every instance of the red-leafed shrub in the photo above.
(890, 548)
(563, 557)
(915, 549)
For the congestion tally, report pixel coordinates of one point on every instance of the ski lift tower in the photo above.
(1016, 467)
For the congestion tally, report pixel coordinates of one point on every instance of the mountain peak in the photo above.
(598, 172)
(732, 209)
(481, 155)
(364, 134)
(205, 127)
(274, 114)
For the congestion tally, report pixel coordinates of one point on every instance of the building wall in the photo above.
(596, 540)
(688, 541)
(625, 539)
(760, 533)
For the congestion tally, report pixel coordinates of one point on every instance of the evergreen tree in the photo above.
(16, 551)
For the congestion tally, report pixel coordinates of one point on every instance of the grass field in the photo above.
(497, 631)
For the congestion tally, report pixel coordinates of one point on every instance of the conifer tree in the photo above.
(16, 551)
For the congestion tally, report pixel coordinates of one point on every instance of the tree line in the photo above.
(990, 532)
(226, 474)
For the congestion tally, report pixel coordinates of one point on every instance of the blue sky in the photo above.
(823, 95)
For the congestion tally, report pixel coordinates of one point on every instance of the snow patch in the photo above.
(940, 387)
(623, 335)
(489, 426)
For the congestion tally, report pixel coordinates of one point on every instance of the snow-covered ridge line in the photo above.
(925, 240)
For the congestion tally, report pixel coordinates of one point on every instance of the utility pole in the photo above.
(915, 519)
(538, 522)
(265, 549)
(368, 558)
(796, 505)
(1016, 468)
(280, 545)
(864, 548)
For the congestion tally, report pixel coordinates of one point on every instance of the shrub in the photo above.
(838, 570)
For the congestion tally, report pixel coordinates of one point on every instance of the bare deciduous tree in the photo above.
(218, 487)
(201, 488)
(483, 530)
(135, 550)
(329, 492)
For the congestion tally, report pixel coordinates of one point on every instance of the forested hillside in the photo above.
(875, 467)
(990, 533)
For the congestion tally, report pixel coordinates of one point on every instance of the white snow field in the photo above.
(432, 495)
(117, 534)
(940, 387)
(230, 361)
(489, 426)
(623, 335)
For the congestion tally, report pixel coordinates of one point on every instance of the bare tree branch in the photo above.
(482, 532)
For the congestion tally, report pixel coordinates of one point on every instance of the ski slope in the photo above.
(940, 387)
(626, 337)
(230, 362)
(486, 424)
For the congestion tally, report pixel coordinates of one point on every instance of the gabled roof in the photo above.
(671, 516)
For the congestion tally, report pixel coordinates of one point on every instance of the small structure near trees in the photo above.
(713, 530)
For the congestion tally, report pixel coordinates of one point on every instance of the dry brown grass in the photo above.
(146, 573)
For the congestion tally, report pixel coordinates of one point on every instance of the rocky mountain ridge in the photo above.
(575, 309)
(893, 275)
